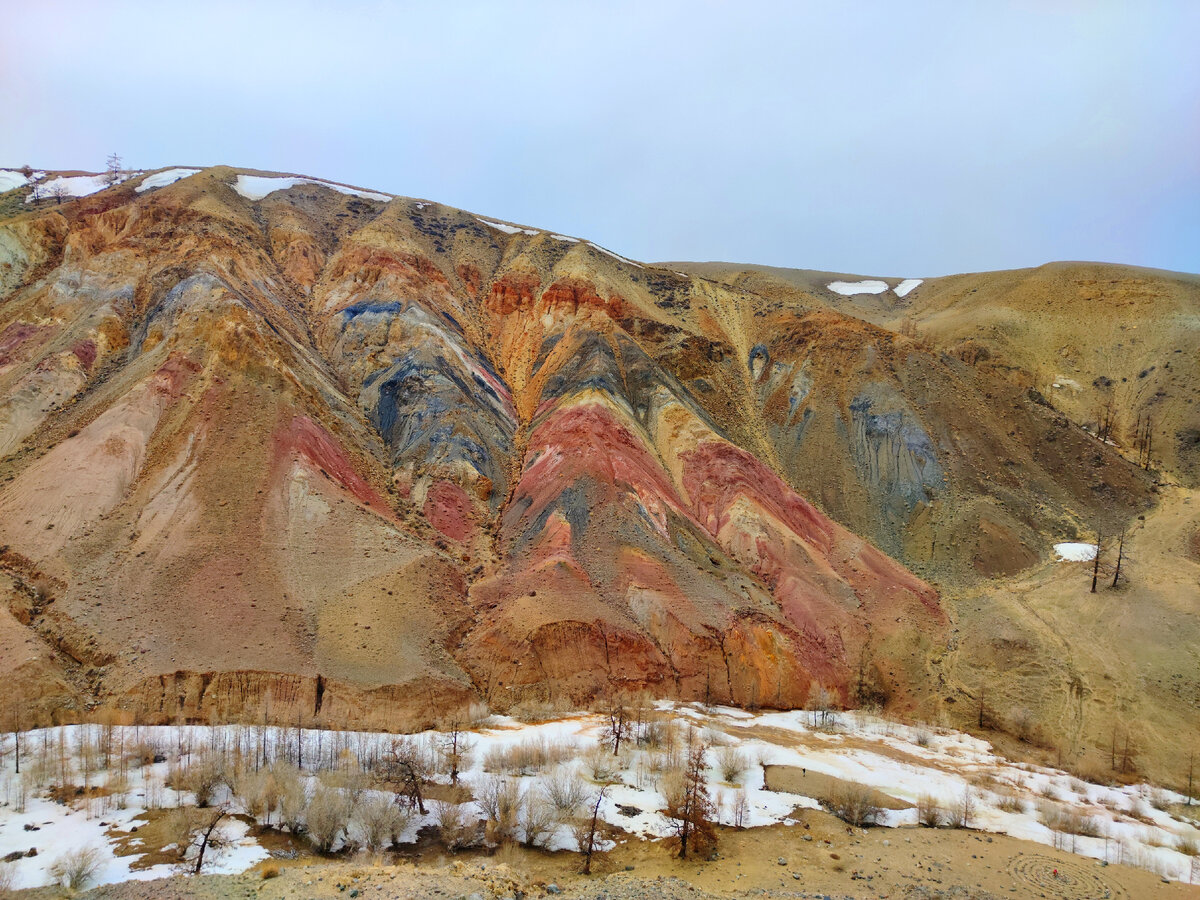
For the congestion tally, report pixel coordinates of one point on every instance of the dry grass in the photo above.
(530, 757)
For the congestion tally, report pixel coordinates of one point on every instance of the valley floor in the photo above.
(776, 774)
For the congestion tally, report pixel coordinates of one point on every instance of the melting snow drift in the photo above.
(906, 286)
(256, 187)
(850, 288)
(162, 179)
(1071, 551)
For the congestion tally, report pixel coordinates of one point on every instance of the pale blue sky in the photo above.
(900, 138)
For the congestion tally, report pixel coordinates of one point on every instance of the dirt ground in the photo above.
(817, 857)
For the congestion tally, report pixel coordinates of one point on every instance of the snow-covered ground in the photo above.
(1074, 551)
(256, 187)
(162, 179)
(908, 763)
(850, 288)
(77, 185)
(906, 286)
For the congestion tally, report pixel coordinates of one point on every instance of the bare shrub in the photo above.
(207, 778)
(566, 791)
(732, 763)
(8, 875)
(269, 870)
(602, 765)
(529, 757)
(537, 819)
(1008, 801)
(855, 804)
(929, 812)
(293, 797)
(1068, 820)
(327, 816)
(923, 737)
(378, 822)
(1187, 845)
(499, 800)
(76, 869)
(741, 808)
(963, 810)
(456, 829)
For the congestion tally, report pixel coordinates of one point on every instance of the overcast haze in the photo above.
(892, 139)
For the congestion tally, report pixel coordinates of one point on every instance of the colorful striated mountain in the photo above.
(273, 445)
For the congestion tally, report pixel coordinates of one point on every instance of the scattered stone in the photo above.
(782, 861)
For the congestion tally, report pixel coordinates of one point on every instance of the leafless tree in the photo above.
(60, 192)
(112, 174)
(454, 747)
(1096, 561)
(405, 766)
(689, 806)
(588, 831)
(1120, 558)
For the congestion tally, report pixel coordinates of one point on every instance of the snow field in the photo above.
(914, 764)
(256, 187)
(850, 288)
(162, 179)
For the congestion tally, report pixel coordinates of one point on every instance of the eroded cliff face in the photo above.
(342, 457)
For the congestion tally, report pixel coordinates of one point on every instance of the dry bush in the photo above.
(1078, 787)
(207, 777)
(1158, 799)
(929, 813)
(963, 810)
(653, 733)
(602, 765)
(293, 796)
(855, 804)
(1068, 820)
(378, 822)
(1010, 802)
(76, 869)
(456, 829)
(538, 818)
(1187, 845)
(8, 874)
(740, 808)
(327, 816)
(566, 791)
(529, 757)
(923, 737)
(499, 800)
(733, 764)
(269, 870)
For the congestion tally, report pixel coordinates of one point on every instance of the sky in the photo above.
(879, 138)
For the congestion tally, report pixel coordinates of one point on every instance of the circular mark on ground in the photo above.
(1068, 880)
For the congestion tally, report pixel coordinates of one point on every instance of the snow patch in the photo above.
(10, 180)
(614, 255)
(563, 237)
(850, 288)
(256, 187)
(1071, 551)
(906, 286)
(162, 179)
(507, 229)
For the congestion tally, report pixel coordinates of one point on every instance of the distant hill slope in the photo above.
(268, 441)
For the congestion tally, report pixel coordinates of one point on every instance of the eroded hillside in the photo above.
(274, 442)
